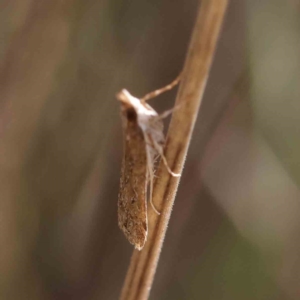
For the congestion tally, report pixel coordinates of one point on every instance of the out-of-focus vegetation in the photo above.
(234, 231)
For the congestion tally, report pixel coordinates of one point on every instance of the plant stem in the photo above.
(143, 263)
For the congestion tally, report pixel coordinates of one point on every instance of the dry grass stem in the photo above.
(143, 264)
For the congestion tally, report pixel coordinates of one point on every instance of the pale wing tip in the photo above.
(139, 247)
(137, 243)
(135, 237)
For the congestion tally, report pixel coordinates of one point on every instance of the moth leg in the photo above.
(161, 90)
(151, 175)
(159, 149)
(166, 113)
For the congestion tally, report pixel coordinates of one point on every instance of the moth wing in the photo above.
(132, 204)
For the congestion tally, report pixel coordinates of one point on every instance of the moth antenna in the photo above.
(166, 113)
(161, 90)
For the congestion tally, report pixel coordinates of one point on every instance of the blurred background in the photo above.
(235, 227)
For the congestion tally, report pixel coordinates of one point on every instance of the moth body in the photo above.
(143, 143)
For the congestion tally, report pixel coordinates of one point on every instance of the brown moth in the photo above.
(143, 144)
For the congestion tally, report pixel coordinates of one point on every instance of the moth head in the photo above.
(127, 105)
(125, 97)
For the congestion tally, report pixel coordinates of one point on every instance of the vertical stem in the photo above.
(143, 264)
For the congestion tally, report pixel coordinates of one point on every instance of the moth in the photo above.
(143, 143)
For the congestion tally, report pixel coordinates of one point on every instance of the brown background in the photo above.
(234, 231)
